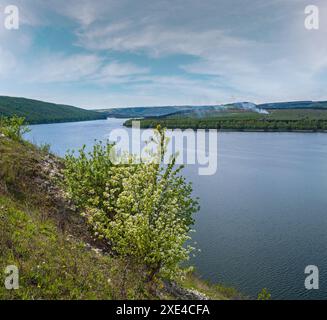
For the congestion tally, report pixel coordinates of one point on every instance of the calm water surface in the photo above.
(263, 215)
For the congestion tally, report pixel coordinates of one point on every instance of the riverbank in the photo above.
(44, 235)
(274, 120)
(153, 125)
(298, 126)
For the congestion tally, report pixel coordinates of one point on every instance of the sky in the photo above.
(118, 53)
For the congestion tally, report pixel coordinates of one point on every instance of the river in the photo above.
(263, 214)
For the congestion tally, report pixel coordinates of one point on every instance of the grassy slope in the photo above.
(43, 112)
(276, 120)
(50, 266)
(52, 247)
(46, 243)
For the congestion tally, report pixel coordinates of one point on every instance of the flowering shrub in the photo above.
(144, 210)
(88, 174)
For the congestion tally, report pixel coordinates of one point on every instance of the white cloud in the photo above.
(116, 72)
(80, 68)
(7, 63)
(61, 68)
(159, 41)
(242, 49)
(270, 57)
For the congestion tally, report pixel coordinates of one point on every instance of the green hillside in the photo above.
(282, 120)
(36, 111)
(201, 111)
(44, 234)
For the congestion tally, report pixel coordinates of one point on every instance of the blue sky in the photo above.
(103, 53)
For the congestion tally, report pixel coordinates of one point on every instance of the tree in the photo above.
(13, 127)
(146, 208)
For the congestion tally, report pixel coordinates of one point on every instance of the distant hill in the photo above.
(36, 111)
(152, 112)
(44, 112)
(135, 112)
(206, 110)
(295, 105)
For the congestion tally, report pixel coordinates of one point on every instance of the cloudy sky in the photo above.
(109, 53)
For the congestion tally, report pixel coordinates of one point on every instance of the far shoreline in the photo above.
(237, 130)
(183, 129)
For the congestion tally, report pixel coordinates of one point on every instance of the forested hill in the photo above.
(201, 110)
(44, 112)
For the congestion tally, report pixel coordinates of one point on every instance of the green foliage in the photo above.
(47, 242)
(264, 295)
(87, 176)
(45, 148)
(13, 127)
(144, 210)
